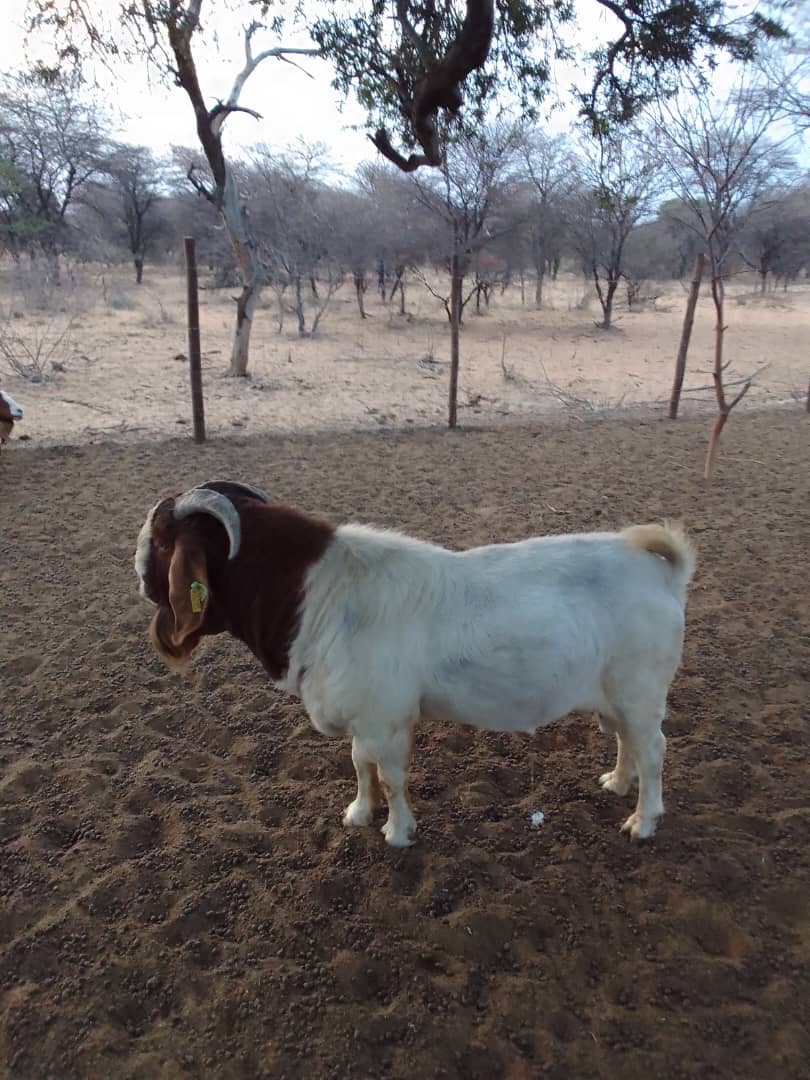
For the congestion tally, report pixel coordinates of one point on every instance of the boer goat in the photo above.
(10, 411)
(373, 630)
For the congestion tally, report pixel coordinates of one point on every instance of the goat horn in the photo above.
(218, 506)
(232, 489)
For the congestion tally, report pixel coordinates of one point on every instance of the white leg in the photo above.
(646, 745)
(393, 758)
(361, 811)
(620, 780)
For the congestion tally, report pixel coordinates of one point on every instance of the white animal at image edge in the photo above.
(8, 415)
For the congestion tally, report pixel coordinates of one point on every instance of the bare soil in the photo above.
(124, 354)
(179, 898)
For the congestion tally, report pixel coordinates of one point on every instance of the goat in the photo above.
(374, 629)
(10, 411)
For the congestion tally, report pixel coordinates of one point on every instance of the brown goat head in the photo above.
(224, 557)
(179, 543)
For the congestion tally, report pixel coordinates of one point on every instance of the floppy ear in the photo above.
(188, 588)
(176, 630)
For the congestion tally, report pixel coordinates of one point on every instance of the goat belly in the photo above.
(491, 699)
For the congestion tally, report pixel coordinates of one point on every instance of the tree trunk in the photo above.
(138, 269)
(240, 350)
(686, 333)
(381, 279)
(538, 288)
(456, 285)
(605, 298)
(763, 282)
(360, 290)
(399, 283)
(724, 407)
(299, 308)
(249, 272)
(522, 288)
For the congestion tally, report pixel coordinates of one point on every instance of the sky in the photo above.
(294, 103)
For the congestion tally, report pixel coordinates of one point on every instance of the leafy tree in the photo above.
(412, 62)
(51, 146)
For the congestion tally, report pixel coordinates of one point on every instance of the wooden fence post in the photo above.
(686, 333)
(194, 360)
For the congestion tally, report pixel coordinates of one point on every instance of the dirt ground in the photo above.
(179, 898)
(125, 376)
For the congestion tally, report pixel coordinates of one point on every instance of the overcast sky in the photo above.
(292, 103)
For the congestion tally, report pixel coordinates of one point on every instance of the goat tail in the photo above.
(668, 541)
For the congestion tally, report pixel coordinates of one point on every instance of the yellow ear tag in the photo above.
(199, 596)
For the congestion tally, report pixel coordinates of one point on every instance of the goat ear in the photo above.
(188, 592)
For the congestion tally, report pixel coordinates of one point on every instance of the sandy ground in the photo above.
(179, 898)
(126, 374)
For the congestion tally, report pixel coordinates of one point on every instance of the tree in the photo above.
(165, 31)
(411, 63)
(469, 200)
(137, 179)
(407, 76)
(618, 176)
(51, 147)
(775, 238)
(405, 236)
(721, 161)
(549, 168)
(179, 23)
(20, 225)
(293, 214)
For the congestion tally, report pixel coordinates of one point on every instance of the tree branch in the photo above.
(438, 86)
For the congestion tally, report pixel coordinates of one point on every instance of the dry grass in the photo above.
(388, 370)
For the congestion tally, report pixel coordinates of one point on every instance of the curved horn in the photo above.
(232, 489)
(197, 501)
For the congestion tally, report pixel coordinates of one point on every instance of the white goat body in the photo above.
(507, 637)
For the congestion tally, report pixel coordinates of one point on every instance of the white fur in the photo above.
(508, 638)
(143, 552)
(13, 407)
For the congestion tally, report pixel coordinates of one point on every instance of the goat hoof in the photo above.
(398, 838)
(617, 784)
(358, 814)
(639, 828)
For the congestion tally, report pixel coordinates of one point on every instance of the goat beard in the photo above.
(161, 631)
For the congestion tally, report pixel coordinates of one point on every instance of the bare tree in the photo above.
(549, 172)
(618, 176)
(469, 199)
(721, 161)
(296, 217)
(774, 239)
(137, 180)
(176, 23)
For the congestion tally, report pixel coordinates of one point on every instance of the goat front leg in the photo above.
(361, 811)
(622, 777)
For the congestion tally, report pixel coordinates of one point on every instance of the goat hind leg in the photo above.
(361, 810)
(647, 745)
(393, 759)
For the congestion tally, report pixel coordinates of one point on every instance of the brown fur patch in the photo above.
(256, 596)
